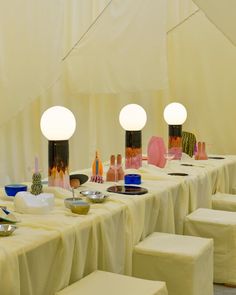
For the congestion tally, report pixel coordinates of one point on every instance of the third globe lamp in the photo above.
(175, 115)
(132, 119)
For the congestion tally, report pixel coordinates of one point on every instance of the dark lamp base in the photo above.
(133, 149)
(175, 141)
(58, 159)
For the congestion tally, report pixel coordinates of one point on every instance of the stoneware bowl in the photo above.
(70, 201)
(80, 207)
(12, 189)
(6, 229)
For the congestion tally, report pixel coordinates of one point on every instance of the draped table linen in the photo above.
(48, 252)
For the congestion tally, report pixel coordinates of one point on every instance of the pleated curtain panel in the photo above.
(96, 56)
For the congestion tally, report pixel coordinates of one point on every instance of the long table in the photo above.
(48, 252)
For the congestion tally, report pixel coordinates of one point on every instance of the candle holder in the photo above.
(36, 187)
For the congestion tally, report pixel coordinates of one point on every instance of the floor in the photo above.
(222, 290)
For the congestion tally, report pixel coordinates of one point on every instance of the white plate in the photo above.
(7, 215)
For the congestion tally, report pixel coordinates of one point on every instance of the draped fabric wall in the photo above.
(43, 64)
(124, 52)
(202, 72)
(96, 111)
(222, 15)
(30, 47)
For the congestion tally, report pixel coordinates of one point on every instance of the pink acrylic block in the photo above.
(155, 151)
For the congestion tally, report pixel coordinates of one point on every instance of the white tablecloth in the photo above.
(48, 252)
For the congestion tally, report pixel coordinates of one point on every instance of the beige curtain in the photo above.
(222, 14)
(96, 111)
(30, 48)
(51, 54)
(124, 52)
(178, 11)
(202, 63)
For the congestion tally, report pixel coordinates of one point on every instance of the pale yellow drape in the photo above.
(96, 113)
(222, 15)
(202, 63)
(30, 47)
(178, 11)
(36, 36)
(124, 52)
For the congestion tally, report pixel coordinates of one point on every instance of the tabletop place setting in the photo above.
(129, 198)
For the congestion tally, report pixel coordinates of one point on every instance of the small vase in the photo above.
(111, 173)
(119, 169)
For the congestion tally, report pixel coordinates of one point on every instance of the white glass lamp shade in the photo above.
(132, 117)
(175, 114)
(58, 123)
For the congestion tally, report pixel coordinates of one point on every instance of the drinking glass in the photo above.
(169, 155)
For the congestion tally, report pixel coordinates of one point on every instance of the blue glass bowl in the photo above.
(12, 189)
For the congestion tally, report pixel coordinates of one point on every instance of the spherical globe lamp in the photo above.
(133, 118)
(175, 115)
(58, 125)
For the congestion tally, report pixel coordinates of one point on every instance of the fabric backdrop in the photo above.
(96, 56)
(222, 14)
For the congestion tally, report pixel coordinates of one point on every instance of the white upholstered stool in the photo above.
(106, 283)
(222, 201)
(221, 226)
(184, 263)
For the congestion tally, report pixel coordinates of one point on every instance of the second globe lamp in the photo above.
(132, 119)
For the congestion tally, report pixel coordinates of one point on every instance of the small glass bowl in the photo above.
(6, 229)
(97, 198)
(89, 193)
(94, 196)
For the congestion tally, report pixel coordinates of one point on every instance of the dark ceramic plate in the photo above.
(81, 177)
(216, 158)
(127, 190)
(178, 174)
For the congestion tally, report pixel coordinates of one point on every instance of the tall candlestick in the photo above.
(36, 165)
